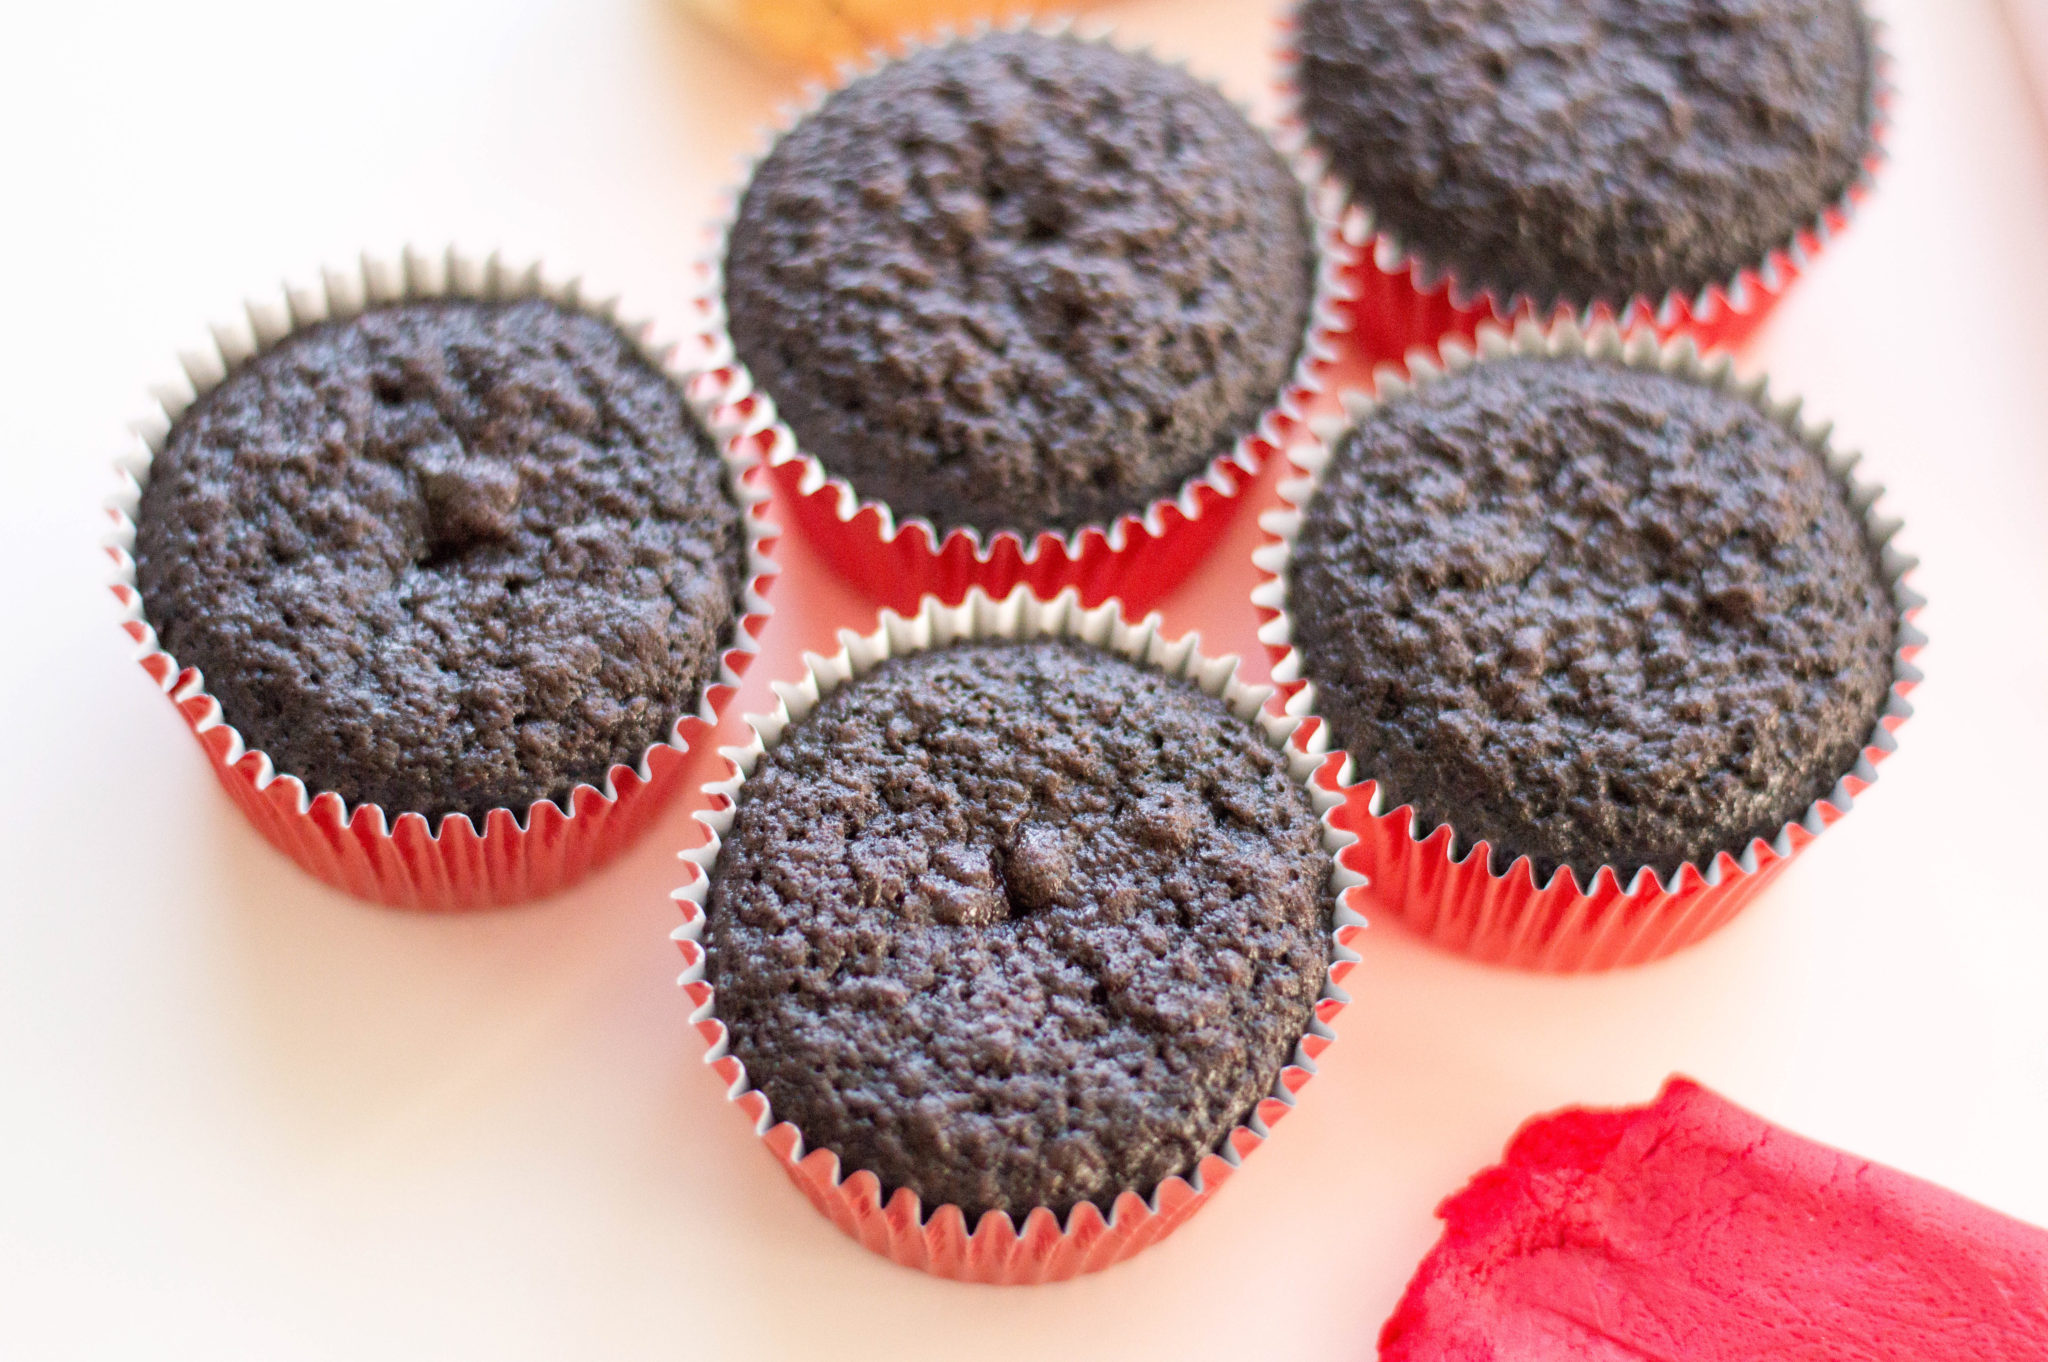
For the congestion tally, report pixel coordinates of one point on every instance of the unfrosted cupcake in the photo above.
(443, 558)
(1638, 159)
(1019, 924)
(1616, 623)
(1016, 931)
(1024, 285)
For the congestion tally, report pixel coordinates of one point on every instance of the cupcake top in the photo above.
(445, 556)
(1021, 282)
(1018, 925)
(1590, 150)
(1590, 614)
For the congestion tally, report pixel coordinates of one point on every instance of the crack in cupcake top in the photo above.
(1018, 925)
(1590, 614)
(445, 556)
(1021, 282)
(1590, 150)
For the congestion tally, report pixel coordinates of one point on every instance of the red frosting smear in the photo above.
(1691, 1231)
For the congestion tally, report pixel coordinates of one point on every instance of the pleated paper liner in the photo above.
(1399, 302)
(1447, 891)
(403, 861)
(1139, 557)
(893, 1223)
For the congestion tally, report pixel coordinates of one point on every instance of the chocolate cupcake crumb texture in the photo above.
(1018, 925)
(446, 556)
(1590, 150)
(1591, 615)
(1022, 282)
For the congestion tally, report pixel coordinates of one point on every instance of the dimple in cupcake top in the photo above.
(1022, 282)
(445, 556)
(1590, 150)
(1018, 925)
(1591, 615)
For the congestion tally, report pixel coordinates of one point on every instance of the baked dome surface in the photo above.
(1590, 150)
(445, 556)
(1590, 614)
(1021, 282)
(1018, 925)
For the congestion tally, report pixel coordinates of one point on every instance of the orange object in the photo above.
(817, 33)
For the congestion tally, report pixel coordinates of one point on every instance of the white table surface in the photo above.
(244, 1116)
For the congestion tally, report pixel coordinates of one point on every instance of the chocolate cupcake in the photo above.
(1594, 615)
(1022, 283)
(446, 555)
(1017, 927)
(1605, 154)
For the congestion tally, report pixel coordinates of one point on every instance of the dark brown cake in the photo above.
(1019, 925)
(1590, 150)
(1021, 282)
(446, 556)
(1590, 615)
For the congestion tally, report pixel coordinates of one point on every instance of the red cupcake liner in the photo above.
(997, 1250)
(1401, 303)
(1140, 557)
(1419, 875)
(405, 862)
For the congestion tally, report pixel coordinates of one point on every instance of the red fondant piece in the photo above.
(1691, 1231)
